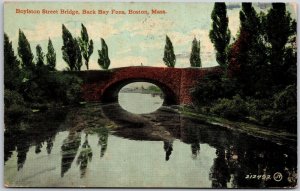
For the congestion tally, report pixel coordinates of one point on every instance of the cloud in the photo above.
(149, 27)
(43, 31)
(96, 30)
(125, 51)
(152, 45)
(234, 22)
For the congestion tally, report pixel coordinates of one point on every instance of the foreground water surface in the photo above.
(98, 145)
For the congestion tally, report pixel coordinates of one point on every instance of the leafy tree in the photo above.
(12, 72)
(71, 50)
(169, 56)
(24, 52)
(86, 45)
(220, 34)
(39, 56)
(279, 27)
(103, 60)
(51, 56)
(249, 19)
(195, 59)
(248, 55)
(78, 56)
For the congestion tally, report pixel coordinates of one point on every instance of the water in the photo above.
(106, 146)
(140, 103)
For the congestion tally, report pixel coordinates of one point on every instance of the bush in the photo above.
(286, 99)
(285, 109)
(234, 108)
(52, 87)
(213, 87)
(12, 98)
(14, 105)
(67, 88)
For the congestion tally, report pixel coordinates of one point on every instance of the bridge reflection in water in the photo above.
(106, 140)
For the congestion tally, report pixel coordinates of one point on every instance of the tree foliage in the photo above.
(279, 28)
(103, 60)
(248, 54)
(12, 72)
(169, 56)
(77, 52)
(220, 34)
(195, 59)
(25, 53)
(51, 56)
(260, 85)
(86, 45)
(71, 50)
(39, 56)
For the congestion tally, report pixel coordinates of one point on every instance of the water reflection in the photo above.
(103, 138)
(85, 156)
(168, 147)
(230, 157)
(219, 174)
(69, 150)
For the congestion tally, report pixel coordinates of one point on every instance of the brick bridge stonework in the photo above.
(176, 83)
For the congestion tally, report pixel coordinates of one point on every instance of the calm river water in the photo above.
(98, 145)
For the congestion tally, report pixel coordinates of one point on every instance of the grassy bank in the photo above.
(278, 136)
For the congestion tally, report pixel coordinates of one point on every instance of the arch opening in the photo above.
(111, 93)
(140, 97)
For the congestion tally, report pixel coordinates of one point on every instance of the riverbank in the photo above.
(274, 135)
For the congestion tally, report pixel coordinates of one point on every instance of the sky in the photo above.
(132, 39)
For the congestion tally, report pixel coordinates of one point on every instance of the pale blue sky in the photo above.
(131, 39)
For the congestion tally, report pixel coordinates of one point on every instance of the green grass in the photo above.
(274, 135)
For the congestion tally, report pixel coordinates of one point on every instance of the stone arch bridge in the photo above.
(176, 83)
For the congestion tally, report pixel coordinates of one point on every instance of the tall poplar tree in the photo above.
(279, 28)
(24, 52)
(51, 56)
(220, 34)
(71, 50)
(169, 56)
(195, 59)
(39, 56)
(12, 72)
(78, 61)
(103, 60)
(86, 45)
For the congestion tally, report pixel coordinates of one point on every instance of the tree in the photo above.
(78, 56)
(39, 56)
(279, 28)
(169, 56)
(248, 55)
(103, 60)
(12, 72)
(51, 56)
(220, 34)
(195, 59)
(70, 48)
(86, 45)
(24, 52)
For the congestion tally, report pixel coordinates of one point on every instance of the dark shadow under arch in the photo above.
(110, 94)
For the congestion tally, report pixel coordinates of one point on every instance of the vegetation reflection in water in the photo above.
(90, 146)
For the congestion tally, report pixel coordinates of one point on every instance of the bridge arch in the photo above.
(176, 83)
(111, 91)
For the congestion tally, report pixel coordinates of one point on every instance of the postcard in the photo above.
(150, 95)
